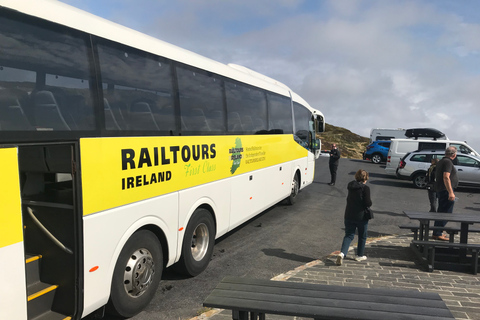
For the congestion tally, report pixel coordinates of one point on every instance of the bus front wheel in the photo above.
(137, 274)
(198, 242)
(295, 188)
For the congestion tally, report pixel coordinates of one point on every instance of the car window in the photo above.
(466, 161)
(419, 158)
(461, 148)
(385, 144)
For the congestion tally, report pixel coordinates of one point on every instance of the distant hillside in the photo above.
(350, 144)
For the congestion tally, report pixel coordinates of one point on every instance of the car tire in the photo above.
(420, 180)
(377, 158)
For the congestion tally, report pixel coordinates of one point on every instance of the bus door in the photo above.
(52, 225)
(12, 259)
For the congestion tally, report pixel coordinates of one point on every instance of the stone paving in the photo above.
(392, 264)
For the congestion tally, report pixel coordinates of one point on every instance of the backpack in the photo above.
(431, 178)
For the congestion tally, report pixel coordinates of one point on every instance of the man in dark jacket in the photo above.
(333, 163)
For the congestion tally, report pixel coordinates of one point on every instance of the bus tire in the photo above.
(292, 198)
(132, 291)
(198, 242)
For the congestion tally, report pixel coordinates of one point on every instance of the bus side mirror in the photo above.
(316, 144)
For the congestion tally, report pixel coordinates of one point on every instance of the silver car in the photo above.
(414, 166)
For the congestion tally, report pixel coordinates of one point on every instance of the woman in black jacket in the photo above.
(357, 200)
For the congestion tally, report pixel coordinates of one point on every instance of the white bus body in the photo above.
(121, 152)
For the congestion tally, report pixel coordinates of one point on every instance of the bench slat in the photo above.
(447, 244)
(333, 288)
(305, 296)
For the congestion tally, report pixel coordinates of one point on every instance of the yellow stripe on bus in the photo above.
(119, 171)
(11, 229)
(42, 292)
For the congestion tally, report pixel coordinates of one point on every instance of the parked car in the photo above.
(414, 166)
(399, 147)
(377, 151)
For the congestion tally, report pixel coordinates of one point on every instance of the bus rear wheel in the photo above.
(198, 242)
(136, 276)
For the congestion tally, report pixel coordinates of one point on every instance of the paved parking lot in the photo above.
(294, 242)
(390, 264)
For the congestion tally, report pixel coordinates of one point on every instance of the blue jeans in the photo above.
(444, 205)
(350, 227)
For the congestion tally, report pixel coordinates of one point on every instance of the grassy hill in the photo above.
(350, 144)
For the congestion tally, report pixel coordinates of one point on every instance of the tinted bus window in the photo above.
(137, 90)
(201, 102)
(247, 108)
(279, 114)
(303, 122)
(44, 78)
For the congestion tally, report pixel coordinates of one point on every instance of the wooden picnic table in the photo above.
(253, 298)
(465, 220)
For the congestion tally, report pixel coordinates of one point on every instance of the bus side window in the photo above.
(247, 108)
(303, 128)
(47, 58)
(279, 114)
(12, 113)
(201, 97)
(138, 87)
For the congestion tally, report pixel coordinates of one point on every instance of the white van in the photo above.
(399, 147)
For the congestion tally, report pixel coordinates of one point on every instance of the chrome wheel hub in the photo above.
(200, 241)
(139, 272)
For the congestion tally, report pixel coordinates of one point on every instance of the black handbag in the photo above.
(367, 213)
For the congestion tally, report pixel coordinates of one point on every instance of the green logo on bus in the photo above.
(236, 155)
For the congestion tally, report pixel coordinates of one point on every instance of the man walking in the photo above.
(333, 163)
(446, 181)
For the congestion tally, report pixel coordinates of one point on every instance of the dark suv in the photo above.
(377, 151)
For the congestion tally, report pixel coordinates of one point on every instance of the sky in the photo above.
(364, 63)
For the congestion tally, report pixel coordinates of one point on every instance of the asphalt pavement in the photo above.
(295, 243)
(391, 264)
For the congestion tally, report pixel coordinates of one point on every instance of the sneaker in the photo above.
(340, 259)
(360, 258)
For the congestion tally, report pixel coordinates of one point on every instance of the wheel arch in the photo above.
(297, 172)
(162, 238)
(203, 203)
(415, 173)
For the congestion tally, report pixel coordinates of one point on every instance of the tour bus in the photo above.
(122, 155)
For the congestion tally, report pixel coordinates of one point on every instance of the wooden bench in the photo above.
(260, 297)
(430, 246)
(452, 231)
